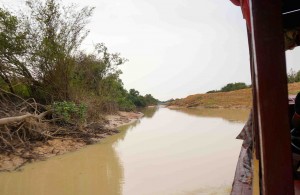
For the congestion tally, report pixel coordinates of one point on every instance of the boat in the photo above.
(269, 24)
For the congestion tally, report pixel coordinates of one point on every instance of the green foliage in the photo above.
(293, 76)
(40, 58)
(141, 101)
(12, 46)
(125, 104)
(136, 98)
(234, 86)
(167, 101)
(22, 90)
(70, 110)
(150, 100)
(231, 87)
(102, 69)
(55, 32)
(213, 91)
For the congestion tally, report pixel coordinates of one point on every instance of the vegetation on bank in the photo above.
(231, 87)
(49, 88)
(293, 76)
(41, 59)
(233, 99)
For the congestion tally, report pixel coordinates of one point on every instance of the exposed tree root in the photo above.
(24, 123)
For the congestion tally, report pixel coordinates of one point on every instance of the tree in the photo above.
(291, 76)
(39, 46)
(136, 98)
(54, 34)
(39, 51)
(101, 67)
(12, 47)
(141, 101)
(150, 100)
(233, 86)
(134, 92)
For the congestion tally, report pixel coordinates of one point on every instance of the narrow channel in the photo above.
(184, 151)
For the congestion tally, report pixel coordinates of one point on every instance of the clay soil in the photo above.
(53, 147)
(233, 99)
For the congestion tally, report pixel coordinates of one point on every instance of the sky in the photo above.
(175, 48)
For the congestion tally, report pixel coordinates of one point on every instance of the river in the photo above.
(185, 151)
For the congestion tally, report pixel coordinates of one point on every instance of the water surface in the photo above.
(185, 151)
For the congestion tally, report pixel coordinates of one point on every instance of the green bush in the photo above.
(234, 86)
(231, 87)
(125, 104)
(70, 111)
(22, 90)
(213, 91)
(41, 58)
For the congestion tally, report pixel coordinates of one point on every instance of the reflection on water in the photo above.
(166, 152)
(233, 115)
(93, 170)
(149, 112)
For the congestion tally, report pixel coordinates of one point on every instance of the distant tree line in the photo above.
(293, 76)
(167, 101)
(141, 101)
(231, 87)
(40, 58)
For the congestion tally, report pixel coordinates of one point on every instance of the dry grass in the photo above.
(294, 88)
(233, 99)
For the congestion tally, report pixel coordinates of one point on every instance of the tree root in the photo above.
(25, 122)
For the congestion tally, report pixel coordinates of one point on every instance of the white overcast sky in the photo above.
(175, 47)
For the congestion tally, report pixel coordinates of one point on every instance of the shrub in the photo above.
(234, 86)
(69, 111)
(125, 104)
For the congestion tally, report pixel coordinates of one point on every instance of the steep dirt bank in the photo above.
(53, 147)
(233, 99)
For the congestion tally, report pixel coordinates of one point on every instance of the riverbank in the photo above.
(233, 99)
(54, 147)
(154, 151)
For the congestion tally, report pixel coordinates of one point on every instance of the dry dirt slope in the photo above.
(233, 99)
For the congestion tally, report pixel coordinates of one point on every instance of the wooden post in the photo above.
(272, 97)
(255, 132)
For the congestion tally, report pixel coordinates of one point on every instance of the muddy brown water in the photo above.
(186, 151)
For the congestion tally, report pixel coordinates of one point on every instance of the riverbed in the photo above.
(182, 151)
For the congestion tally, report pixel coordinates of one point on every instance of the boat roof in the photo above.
(291, 13)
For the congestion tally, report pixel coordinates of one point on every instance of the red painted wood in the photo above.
(272, 98)
(297, 187)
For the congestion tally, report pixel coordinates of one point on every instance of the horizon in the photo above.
(175, 48)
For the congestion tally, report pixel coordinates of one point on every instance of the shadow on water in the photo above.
(231, 115)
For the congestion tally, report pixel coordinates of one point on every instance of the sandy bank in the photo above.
(122, 118)
(53, 147)
(208, 107)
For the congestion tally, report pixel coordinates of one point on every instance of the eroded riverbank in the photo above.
(177, 152)
(54, 147)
